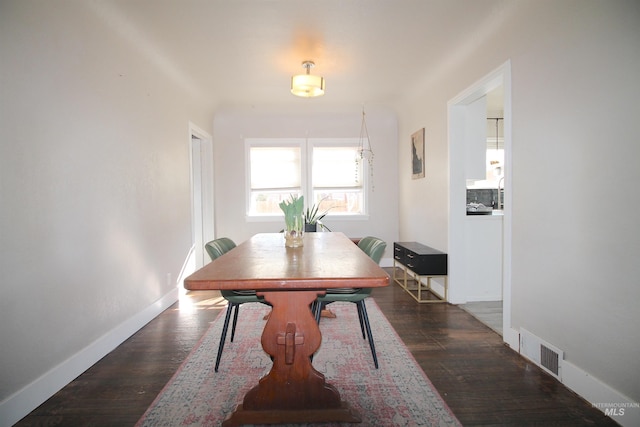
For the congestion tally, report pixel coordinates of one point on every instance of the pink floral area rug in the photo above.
(396, 394)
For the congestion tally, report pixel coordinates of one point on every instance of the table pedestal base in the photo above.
(342, 414)
(293, 391)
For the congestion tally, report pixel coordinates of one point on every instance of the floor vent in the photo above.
(541, 353)
(549, 359)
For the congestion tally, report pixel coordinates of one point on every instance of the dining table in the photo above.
(290, 279)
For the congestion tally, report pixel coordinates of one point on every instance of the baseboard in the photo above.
(437, 285)
(614, 404)
(22, 402)
(386, 262)
(511, 337)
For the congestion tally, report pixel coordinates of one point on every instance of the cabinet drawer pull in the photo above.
(410, 265)
(410, 256)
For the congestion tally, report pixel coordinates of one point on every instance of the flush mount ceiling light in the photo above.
(307, 85)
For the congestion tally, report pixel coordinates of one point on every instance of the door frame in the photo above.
(457, 200)
(202, 192)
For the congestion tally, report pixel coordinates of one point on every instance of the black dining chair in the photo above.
(216, 248)
(374, 247)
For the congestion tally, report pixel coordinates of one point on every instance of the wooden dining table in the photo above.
(290, 279)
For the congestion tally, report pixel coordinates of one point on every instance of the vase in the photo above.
(294, 233)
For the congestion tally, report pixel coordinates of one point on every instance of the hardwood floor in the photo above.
(483, 381)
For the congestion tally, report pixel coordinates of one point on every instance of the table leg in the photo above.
(293, 391)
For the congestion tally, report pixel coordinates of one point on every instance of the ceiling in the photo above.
(242, 53)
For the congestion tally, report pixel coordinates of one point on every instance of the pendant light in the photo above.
(497, 167)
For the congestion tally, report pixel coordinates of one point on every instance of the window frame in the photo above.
(340, 142)
(306, 164)
(270, 142)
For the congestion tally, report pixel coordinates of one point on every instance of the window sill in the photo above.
(280, 218)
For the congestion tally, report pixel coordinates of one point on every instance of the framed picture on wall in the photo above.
(417, 154)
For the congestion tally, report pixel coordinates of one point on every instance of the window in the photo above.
(337, 180)
(325, 171)
(275, 174)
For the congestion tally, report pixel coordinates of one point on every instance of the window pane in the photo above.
(268, 202)
(336, 167)
(275, 167)
(345, 202)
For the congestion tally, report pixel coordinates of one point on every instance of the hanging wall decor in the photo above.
(365, 151)
(417, 154)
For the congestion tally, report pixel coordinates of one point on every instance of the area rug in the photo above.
(396, 394)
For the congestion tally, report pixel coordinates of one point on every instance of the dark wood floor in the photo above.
(483, 381)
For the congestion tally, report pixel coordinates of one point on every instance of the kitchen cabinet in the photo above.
(483, 257)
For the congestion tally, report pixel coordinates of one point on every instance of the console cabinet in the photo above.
(420, 263)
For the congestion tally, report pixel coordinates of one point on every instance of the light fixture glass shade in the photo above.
(307, 85)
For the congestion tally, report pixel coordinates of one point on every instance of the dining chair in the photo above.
(216, 248)
(374, 247)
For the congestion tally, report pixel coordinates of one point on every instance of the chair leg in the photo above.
(365, 316)
(361, 320)
(235, 321)
(223, 337)
(313, 308)
(319, 306)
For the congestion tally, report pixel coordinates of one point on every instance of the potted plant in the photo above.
(312, 218)
(293, 220)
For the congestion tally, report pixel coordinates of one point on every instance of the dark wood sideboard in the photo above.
(420, 262)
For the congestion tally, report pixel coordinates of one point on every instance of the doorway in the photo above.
(460, 110)
(202, 187)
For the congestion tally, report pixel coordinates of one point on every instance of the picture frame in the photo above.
(417, 154)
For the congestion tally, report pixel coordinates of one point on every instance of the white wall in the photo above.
(576, 240)
(230, 129)
(94, 184)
